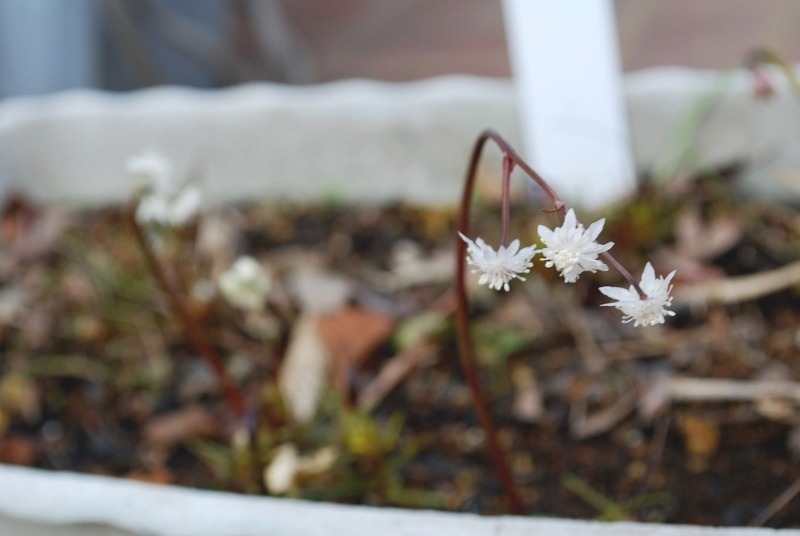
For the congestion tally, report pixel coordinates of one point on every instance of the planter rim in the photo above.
(59, 498)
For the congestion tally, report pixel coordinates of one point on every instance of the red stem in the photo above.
(187, 321)
(466, 354)
(498, 457)
(505, 203)
(559, 206)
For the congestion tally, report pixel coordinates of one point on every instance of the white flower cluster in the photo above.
(643, 311)
(499, 267)
(572, 250)
(166, 200)
(245, 284)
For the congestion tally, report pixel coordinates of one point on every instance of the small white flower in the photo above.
(499, 267)
(245, 284)
(152, 171)
(166, 200)
(647, 311)
(573, 249)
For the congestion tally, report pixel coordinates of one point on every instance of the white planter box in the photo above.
(358, 140)
(61, 499)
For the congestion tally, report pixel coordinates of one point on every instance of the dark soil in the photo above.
(96, 375)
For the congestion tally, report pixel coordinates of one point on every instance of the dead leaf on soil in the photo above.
(280, 474)
(319, 290)
(701, 439)
(29, 231)
(528, 405)
(188, 423)
(160, 475)
(304, 368)
(351, 335)
(16, 450)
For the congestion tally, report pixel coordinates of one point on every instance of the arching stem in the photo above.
(496, 453)
(466, 348)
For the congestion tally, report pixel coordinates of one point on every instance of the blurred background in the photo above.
(50, 45)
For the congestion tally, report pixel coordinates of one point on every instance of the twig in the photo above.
(741, 288)
(572, 317)
(189, 325)
(603, 420)
(777, 504)
(678, 388)
(393, 372)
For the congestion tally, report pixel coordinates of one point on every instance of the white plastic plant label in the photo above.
(570, 97)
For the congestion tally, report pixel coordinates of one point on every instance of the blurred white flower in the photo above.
(151, 171)
(499, 267)
(165, 200)
(647, 311)
(245, 284)
(280, 474)
(573, 249)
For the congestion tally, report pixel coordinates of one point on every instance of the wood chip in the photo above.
(179, 426)
(304, 368)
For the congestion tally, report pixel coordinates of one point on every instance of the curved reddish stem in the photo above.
(466, 354)
(505, 203)
(498, 456)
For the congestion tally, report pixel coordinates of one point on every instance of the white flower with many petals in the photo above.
(499, 267)
(573, 249)
(166, 200)
(643, 311)
(245, 284)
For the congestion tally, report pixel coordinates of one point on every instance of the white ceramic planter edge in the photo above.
(60, 498)
(359, 140)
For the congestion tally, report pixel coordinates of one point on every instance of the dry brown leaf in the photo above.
(190, 422)
(304, 368)
(701, 440)
(17, 450)
(528, 405)
(29, 231)
(279, 475)
(217, 237)
(351, 335)
(318, 290)
(160, 475)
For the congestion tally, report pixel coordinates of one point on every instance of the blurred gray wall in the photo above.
(47, 45)
(52, 45)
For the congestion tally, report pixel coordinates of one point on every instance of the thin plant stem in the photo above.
(466, 354)
(559, 207)
(610, 259)
(466, 348)
(188, 323)
(505, 203)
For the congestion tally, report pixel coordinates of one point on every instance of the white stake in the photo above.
(570, 96)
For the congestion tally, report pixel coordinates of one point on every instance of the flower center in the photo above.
(565, 258)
